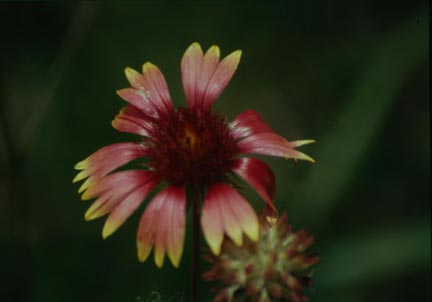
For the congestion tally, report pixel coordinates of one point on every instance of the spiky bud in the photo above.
(273, 269)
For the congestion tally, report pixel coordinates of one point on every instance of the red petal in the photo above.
(271, 144)
(208, 68)
(204, 77)
(248, 123)
(150, 89)
(140, 99)
(225, 210)
(117, 182)
(126, 207)
(114, 188)
(212, 224)
(191, 69)
(129, 121)
(259, 175)
(163, 225)
(155, 82)
(223, 74)
(107, 159)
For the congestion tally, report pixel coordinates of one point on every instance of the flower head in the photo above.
(272, 269)
(186, 148)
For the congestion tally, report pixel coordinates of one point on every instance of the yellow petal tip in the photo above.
(216, 249)
(302, 156)
(214, 50)
(143, 251)
(107, 231)
(80, 165)
(303, 142)
(175, 263)
(159, 259)
(237, 54)
(147, 66)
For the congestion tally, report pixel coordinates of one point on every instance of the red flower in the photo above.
(188, 148)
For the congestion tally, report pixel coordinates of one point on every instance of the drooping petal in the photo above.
(126, 207)
(248, 123)
(106, 160)
(273, 145)
(212, 225)
(191, 70)
(245, 214)
(129, 121)
(149, 90)
(176, 231)
(204, 77)
(163, 226)
(226, 211)
(259, 175)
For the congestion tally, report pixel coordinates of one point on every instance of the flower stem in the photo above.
(196, 252)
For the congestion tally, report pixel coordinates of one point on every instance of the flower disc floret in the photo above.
(192, 147)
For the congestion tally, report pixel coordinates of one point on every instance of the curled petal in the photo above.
(204, 77)
(106, 160)
(226, 211)
(163, 226)
(273, 145)
(248, 123)
(259, 175)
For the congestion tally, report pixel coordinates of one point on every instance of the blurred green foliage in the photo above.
(352, 75)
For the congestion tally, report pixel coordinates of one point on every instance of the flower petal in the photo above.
(126, 207)
(223, 74)
(150, 89)
(248, 123)
(163, 226)
(140, 99)
(191, 70)
(212, 225)
(113, 189)
(208, 68)
(204, 77)
(107, 159)
(259, 175)
(177, 230)
(155, 82)
(130, 122)
(226, 211)
(273, 145)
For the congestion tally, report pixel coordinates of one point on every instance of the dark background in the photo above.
(351, 74)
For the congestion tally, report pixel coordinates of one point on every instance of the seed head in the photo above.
(273, 269)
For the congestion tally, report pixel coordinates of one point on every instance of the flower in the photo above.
(271, 269)
(190, 148)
